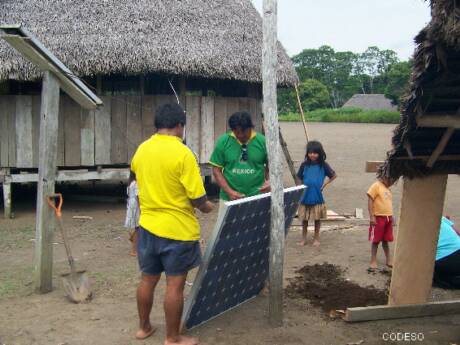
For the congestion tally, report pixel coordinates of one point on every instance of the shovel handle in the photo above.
(58, 210)
(51, 202)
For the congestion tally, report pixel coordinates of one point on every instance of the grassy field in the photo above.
(345, 115)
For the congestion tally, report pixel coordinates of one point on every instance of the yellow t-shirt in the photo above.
(168, 177)
(383, 199)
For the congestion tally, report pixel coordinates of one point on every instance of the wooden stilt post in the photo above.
(7, 199)
(46, 176)
(418, 230)
(269, 67)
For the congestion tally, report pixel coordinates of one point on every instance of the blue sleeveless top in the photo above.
(313, 176)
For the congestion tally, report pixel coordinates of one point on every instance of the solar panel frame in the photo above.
(213, 245)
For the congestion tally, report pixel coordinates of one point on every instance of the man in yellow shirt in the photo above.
(380, 204)
(170, 187)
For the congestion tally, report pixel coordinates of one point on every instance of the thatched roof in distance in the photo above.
(434, 91)
(372, 101)
(218, 39)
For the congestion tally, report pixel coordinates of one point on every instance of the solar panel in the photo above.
(235, 263)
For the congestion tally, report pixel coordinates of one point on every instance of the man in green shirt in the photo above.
(239, 160)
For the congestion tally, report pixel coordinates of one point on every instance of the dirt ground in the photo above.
(100, 245)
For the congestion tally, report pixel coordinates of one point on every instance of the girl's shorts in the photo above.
(312, 212)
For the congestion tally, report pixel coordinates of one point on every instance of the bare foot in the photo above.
(389, 265)
(301, 243)
(133, 253)
(182, 341)
(373, 265)
(265, 292)
(142, 334)
(316, 243)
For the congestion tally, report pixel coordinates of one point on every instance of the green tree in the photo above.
(375, 62)
(313, 95)
(331, 68)
(344, 73)
(397, 80)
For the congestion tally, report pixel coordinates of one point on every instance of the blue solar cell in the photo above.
(235, 264)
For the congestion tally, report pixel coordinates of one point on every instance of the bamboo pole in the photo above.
(301, 112)
(269, 67)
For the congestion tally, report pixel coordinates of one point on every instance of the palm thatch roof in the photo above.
(432, 103)
(217, 39)
(373, 101)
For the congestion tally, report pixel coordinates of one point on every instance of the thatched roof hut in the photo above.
(371, 101)
(216, 39)
(423, 144)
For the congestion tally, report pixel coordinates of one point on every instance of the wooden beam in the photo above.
(425, 158)
(386, 312)
(439, 121)
(440, 147)
(74, 175)
(414, 255)
(46, 176)
(277, 232)
(373, 166)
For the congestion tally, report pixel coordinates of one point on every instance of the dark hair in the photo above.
(240, 119)
(316, 147)
(169, 116)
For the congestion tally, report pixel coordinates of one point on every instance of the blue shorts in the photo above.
(159, 254)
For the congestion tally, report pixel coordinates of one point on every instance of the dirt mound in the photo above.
(324, 286)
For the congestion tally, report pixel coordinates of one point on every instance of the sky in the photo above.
(350, 25)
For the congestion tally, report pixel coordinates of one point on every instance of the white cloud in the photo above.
(350, 25)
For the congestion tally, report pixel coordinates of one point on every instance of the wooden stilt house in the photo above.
(135, 54)
(426, 148)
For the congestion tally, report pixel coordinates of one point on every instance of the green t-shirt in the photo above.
(245, 177)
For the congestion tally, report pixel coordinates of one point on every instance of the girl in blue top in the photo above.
(313, 173)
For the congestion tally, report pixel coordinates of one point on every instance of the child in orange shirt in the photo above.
(381, 219)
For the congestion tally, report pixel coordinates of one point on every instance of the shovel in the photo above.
(76, 284)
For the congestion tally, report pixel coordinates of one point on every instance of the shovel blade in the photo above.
(77, 287)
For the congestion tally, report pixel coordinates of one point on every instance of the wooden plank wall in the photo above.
(102, 130)
(111, 134)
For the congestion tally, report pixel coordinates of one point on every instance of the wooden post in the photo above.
(46, 176)
(7, 199)
(420, 216)
(269, 67)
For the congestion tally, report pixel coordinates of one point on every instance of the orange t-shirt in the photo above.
(383, 199)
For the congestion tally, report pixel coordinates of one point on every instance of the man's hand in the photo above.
(206, 207)
(372, 220)
(265, 187)
(234, 195)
